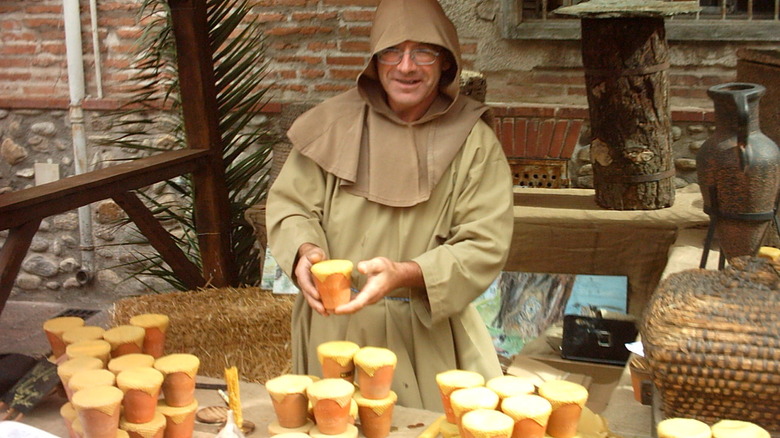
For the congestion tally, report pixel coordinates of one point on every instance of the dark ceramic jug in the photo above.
(739, 170)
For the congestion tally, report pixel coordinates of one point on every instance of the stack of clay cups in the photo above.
(67, 369)
(83, 333)
(331, 400)
(508, 386)
(470, 399)
(69, 415)
(290, 403)
(88, 378)
(376, 415)
(155, 326)
(150, 429)
(179, 420)
(448, 382)
(98, 410)
(178, 388)
(55, 327)
(141, 387)
(336, 359)
(567, 400)
(98, 348)
(530, 414)
(486, 423)
(129, 361)
(125, 339)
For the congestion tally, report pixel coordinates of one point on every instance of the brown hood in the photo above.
(358, 138)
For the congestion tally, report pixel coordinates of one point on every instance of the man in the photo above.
(400, 176)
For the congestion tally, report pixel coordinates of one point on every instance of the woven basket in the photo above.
(712, 339)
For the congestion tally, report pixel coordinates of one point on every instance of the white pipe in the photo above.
(73, 46)
(96, 48)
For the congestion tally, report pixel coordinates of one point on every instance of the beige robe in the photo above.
(459, 237)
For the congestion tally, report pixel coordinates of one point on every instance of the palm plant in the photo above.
(154, 106)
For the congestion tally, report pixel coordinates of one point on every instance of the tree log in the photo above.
(626, 62)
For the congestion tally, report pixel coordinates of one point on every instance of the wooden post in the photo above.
(199, 103)
(626, 58)
(626, 62)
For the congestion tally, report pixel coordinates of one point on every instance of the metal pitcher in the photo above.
(738, 168)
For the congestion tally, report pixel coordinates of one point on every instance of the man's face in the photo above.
(411, 88)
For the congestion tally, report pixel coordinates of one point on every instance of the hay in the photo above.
(246, 327)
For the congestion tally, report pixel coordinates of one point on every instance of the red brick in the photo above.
(355, 46)
(572, 112)
(520, 134)
(18, 49)
(545, 138)
(269, 17)
(505, 135)
(42, 22)
(527, 110)
(309, 16)
(532, 138)
(312, 74)
(43, 9)
(332, 87)
(53, 48)
(344, 74)
(287, 74)
(468, 49)
(558, 136)
(351, 15)
(345, 60)
(351, 2)
(572, 136)
(311, 60)
(284, 45)
(355, 30)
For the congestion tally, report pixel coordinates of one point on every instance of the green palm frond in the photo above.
(240, 72)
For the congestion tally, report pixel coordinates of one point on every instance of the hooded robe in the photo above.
(361, 183)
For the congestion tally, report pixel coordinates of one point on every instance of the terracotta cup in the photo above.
(150, 429)
(179, 421)
(68, 414)
(350, 432)
(738, 429)
(55, 327)
(128, 361)
(353, 411)
(156, 326)
(67, 369)
(375, 367)
(289, 399)
(683, 427)
(486, 423)
(376, 415)
(469, 399)
(640, 373)
(82, 333)
(125, 339)
(530, 413)
(336, 359)
(451, 380)
(333, 279)
(98, 348)
(78, 429)
(180, 370)
(508, 386)
(88, 378)
(567, 400)
(141, 387)
(98, 410)
(331, 399)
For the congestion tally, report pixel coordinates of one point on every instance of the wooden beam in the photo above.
(201, 124)
(12, 254)
(20, 207)
(160, 239)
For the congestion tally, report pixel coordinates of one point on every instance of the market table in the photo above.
(256, 407)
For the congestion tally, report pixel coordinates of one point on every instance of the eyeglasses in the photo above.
(393, 56)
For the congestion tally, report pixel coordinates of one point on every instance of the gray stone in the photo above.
(685, 163)
(56, 247)
(106, 233)
(44, 128)
(680, 183)
(69, 265)
(66, 161)
(3, 114)
(105, 253)
(39, 244)
(27, 173)
(28, 281)
(40, 265)
(583, 154)
(108, 277)
(695, 145)
(676, 133)
(67, 221)
(45, 225)
(71, 283)
(587, 169)
(34, 140)
(53, 285)
(70, 241)
(585, 182)
(696, 129)
(6, 189)
(11, 152)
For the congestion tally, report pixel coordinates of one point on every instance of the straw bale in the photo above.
(246, 327)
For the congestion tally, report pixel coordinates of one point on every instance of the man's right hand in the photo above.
(308, 255)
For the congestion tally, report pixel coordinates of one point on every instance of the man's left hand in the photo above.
(382, 277)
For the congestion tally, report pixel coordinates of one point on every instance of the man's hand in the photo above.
(309, 254)
(382, 277)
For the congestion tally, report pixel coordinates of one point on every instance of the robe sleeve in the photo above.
(477, 246)
(294, 210)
